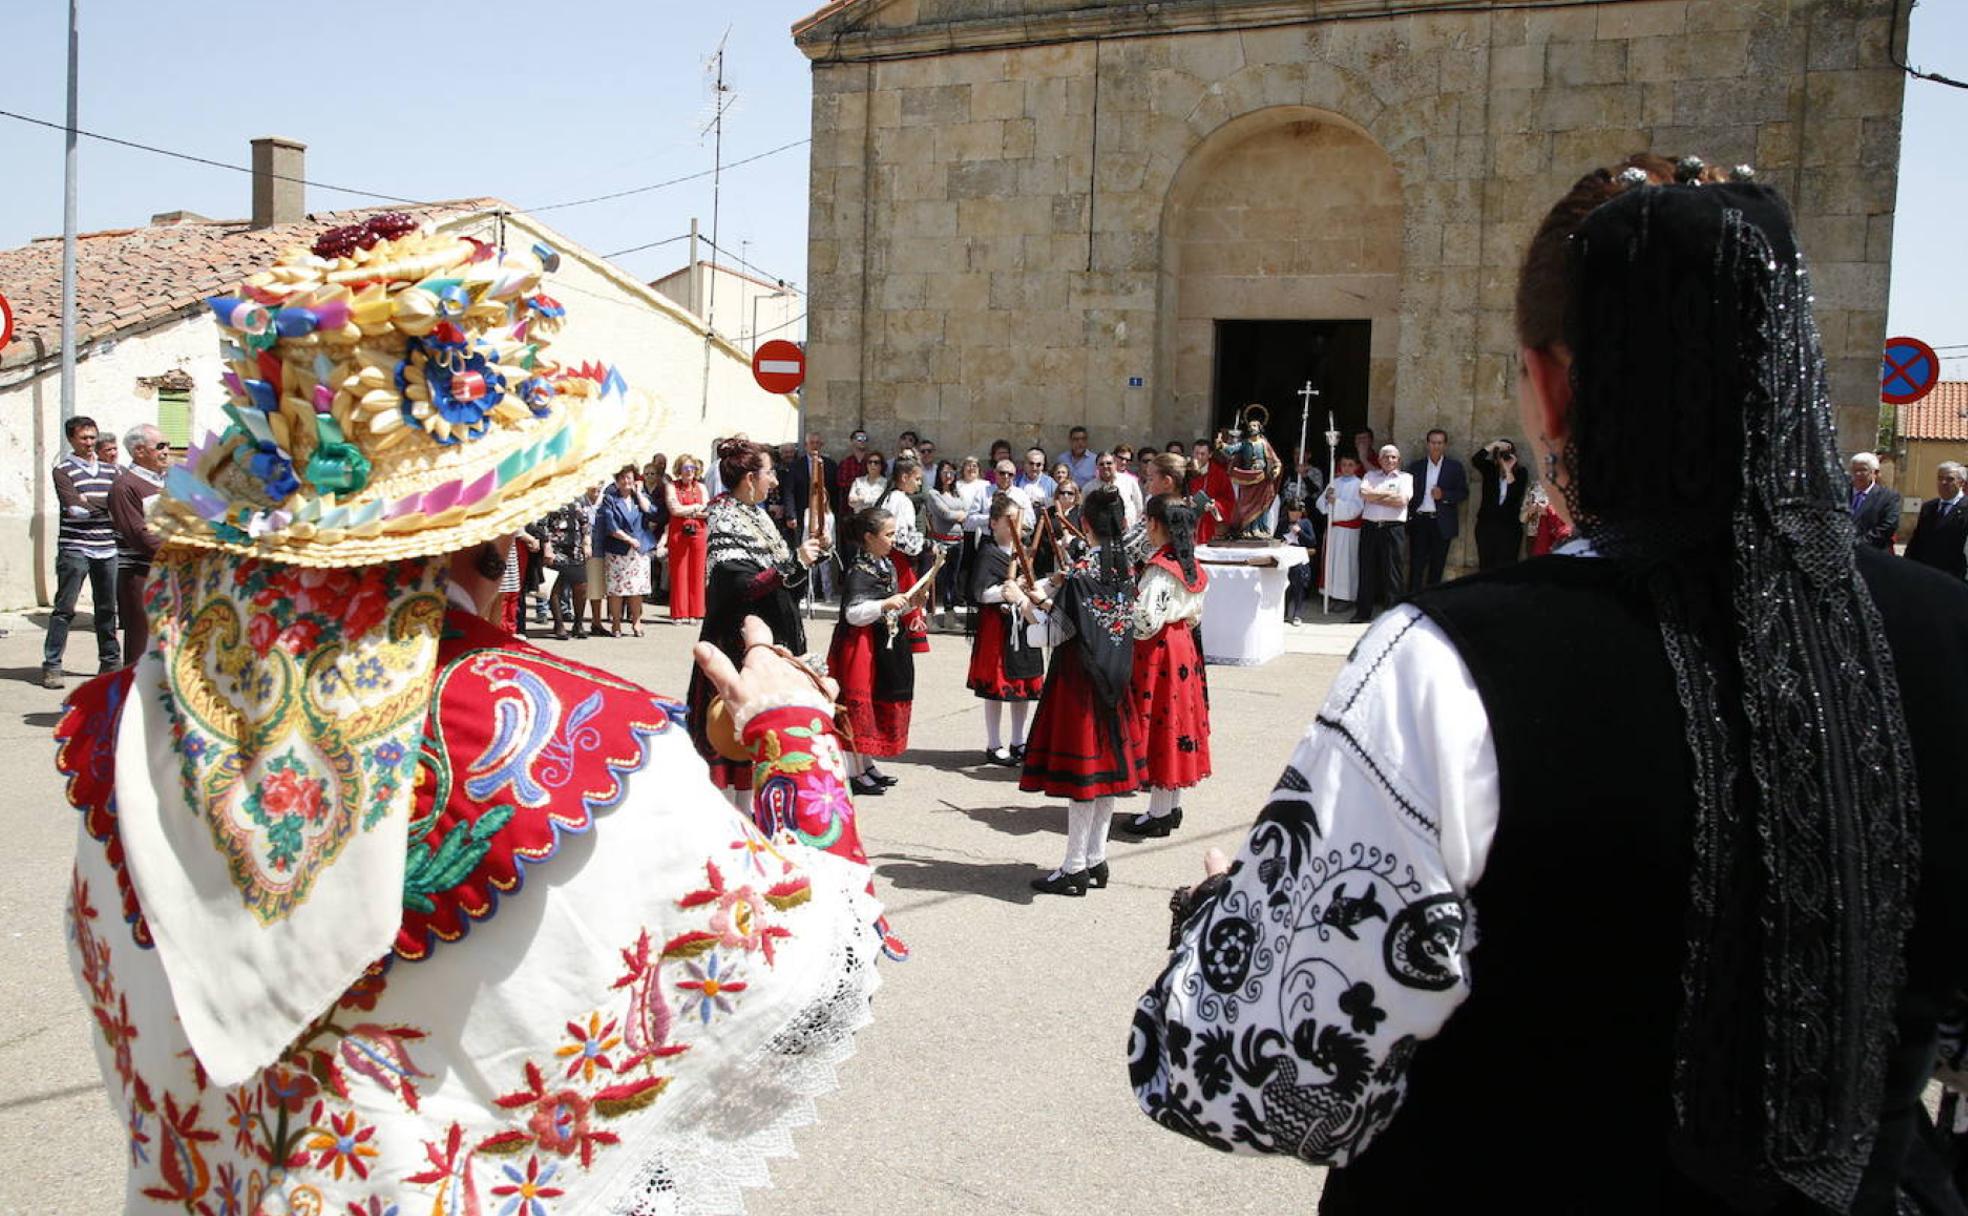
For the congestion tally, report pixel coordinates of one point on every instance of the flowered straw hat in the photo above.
(390, 396)
(390, 403)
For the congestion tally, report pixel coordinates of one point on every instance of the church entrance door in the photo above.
(1268, 362)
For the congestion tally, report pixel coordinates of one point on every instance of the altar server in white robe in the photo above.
(1341, 505)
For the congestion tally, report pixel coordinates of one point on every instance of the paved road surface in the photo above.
(994, 1078)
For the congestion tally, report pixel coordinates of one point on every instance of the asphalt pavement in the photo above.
(994, 1078)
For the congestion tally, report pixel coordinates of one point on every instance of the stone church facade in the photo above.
(1030, 213)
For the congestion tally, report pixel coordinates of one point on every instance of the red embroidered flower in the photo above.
(342, 1145)
(300, 637)
(590, 1048)
(739, 916)
(319, 591)
(364, 993)
(287, 792)
(560, 1122)
(367, 606)
(288, 1089)
(243, 1107)
(261, 631)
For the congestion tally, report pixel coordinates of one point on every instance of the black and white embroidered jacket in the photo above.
(1286, 1018)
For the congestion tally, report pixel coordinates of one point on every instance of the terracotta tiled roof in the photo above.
(130, 277)
(1941, 414)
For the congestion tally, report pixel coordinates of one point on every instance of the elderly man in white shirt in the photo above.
(1385, 491)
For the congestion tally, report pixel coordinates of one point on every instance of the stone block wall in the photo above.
(1019, 205)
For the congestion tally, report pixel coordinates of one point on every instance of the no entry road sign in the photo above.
(1909, 371)
(779, 366)
(6, 322)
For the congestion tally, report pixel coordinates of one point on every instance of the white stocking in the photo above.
(1079, 824)
(1018, 711)
(1160, 802)
(740, 799)
(857, 764)
(993, 725)
(1103, 818)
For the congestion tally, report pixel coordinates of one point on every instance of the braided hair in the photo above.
(1178, 517)
(1106, 519)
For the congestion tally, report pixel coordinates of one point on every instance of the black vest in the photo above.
(1550, 1089)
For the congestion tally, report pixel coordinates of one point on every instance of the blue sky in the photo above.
(544, 103)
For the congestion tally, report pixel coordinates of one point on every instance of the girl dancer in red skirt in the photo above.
(1082, 745)
(1168, 695)
(870, 656)
(1005, 668)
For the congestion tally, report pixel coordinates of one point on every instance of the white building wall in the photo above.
(106, 390)
(781, 313)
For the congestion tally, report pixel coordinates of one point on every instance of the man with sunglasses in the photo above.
(1035, 481)
(129, 515)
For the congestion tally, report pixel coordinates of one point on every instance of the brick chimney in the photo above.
(278, 197)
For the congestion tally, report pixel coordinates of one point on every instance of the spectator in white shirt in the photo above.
(1385, 491)
(1034, 480)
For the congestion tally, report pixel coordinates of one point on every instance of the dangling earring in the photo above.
(1551, 466)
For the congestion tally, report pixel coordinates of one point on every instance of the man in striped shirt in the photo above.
(85, 550)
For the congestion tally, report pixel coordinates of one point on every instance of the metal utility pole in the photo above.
(68, 222)
(719, 100)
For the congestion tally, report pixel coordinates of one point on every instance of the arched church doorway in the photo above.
(1282, 266)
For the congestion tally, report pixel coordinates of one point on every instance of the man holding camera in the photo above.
(1499, 535)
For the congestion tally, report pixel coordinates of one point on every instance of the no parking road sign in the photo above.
(1909, 371)
(779, 366)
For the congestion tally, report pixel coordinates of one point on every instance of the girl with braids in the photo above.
(1167, 692)
(1006, 669)
(898, 500)
(1082, 742)
(1737, 887)
(870, 655)
(752, 573)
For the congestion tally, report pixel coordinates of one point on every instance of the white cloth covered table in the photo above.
(1244, 606)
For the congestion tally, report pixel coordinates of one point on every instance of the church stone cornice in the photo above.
(851, 31)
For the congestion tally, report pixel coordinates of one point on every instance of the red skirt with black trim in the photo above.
(1077, 747)
(1168, 699)
(879, 723)
(915, 622)
(987, 677)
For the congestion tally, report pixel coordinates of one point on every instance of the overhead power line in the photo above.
(671, 240)
(674, 181)
(759, 271)
(203, 160)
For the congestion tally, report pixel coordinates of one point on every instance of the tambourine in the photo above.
(722, 730)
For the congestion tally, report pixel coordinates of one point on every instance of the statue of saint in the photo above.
(1254, 469)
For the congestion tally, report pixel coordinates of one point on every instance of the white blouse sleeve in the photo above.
(1162, 600)
(908, 537)
(863, 612)
(1286, 1018)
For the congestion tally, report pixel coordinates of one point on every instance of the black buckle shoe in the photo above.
(1147, 826)
(1057, 883)
(866, 786)
(1096, 876)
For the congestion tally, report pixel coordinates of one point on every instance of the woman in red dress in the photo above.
(1005, 668)
(1082, 743)
(870, 655)
(905, 480)
(689, 534)
(1168, 695)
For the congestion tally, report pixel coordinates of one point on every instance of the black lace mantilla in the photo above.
(1704, 454)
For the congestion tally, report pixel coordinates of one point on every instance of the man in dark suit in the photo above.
(1942, 529)
(797, 479)
(1875, 508)
(1440, 485)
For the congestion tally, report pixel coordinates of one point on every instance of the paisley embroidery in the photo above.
(293, 695)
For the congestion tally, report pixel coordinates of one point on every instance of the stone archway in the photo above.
(1288, 213)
